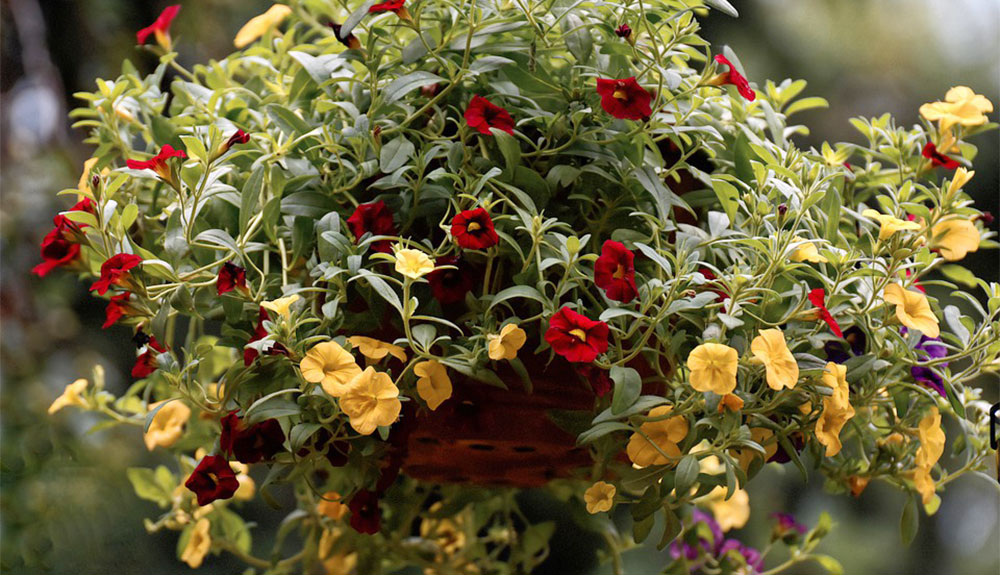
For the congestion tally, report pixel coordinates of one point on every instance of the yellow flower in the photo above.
(376, 350)
(931, 439)
(731, 513)
(710, 464)
(837, 408)
(961, 106)
(167, 425)
(434, 385)
(247, 486)
(447, 532)
(713, 368)
(331, 366)
(663, 437)
(763, 437)
(70, 396)
(806, 252)
(958, 181)
(955, 238)
(506, 344)
(331, 506)
(771, 350)
(889, 224)
(281, 306)
(261, 24)
(600, 497)
(198, 544)
(730, 401)
(413, 264)
(371, 400)
(912, 309)
(924, 484)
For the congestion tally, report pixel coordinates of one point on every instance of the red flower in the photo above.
(449, 286)
(158, 163)
(351, 41)
(115, 271)
(614, 272)
(818, 298)
(117, 308)
(376, 219)
(58, 249)
(259, 333)
(625, 99)
(599, 380)
(733, 77)
(722, 296)
(231, 276)
(365, 515)
(161, 27)
(389, 6)
(240, 137)
(576, 337)
(84, 205)
(473, 229)
(623, 31)
(482, 115)
(938, 159)
(212, 479)
(145, 364)
(250, 444)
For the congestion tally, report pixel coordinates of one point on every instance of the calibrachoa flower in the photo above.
(506, 344)
(624, 31)
(856, 341)
(331, 506)
(376, 219)
(331, 366)
(614, 272)
(703, 534)
(961, 177)
(600, 381)
(656, 440)
(954, 238)
(158, 163)
(761, 436)
(259, 333)
(213, 479)
(281, 306)
(251, 443)
(351, 41)
(938, 159)
(145, 364)
(961, 106)
(433, 385)
(199, 543)
(771, 350)
(376, 350)
(806, 252)
(167, 425)
(231, 276)
(58, 247)
(261, 24)
(912, 309)
(889, 225)
(731, 402)
(481, 115)
(731, 513)
(450, 284)
(713, 368)
(931, 348)
(576, 337)
(786, 527)
(413, 264)
(114, 271)
(117, 308)
(366, 517)
(71, 396)
(160, 28)
(733, 77)
(371, 400)
(837, 408)
(748, 555)
(599, 497)
(625, 99)
(931, 447)
(817, 297)
(473, 229)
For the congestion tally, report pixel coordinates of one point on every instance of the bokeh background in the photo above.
(66, 505)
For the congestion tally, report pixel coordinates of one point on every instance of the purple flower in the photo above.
(749, 555)
(854, 337)
(702, 526)
(929, 348)
(787, 522)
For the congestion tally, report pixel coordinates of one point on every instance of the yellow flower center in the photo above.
(579, 334)
(620, 95)
(473, 227)
(619, 273)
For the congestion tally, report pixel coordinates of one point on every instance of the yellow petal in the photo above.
(958, 181)
(713, 368)
(331, 506)
(837, 409)
(376, 350)
(198, 544)
(599, 497)
(260, 25)
(370, 401)
(506, 344)
(281, 306)
(781, 368)
(331, 366)
(806, 252)
(663, 437)
(912, 309)
(434, 385)
(955, 238)
(167, 425)
(70, 396)
(413, 264)
(731, 513)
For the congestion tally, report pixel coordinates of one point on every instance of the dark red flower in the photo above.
(389, 6)
(114, 271)
(250, 444)
(351, 41)
(818, 298)
(161, 27)
(624, 31)
(231, 276)
(482, 115)
(599, 379)
(449, 286)
(576, 337)
(614, 272)
(625, 99)
(145, 364)
(722, 296)
(117, 308)
(365, 515)
(733, 77)
(376, 219)
(938, 159)
(473, 229)
(84, 205)
(212, 479)
(158, 163)
(58, 247)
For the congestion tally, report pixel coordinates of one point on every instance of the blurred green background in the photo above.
(66, 505)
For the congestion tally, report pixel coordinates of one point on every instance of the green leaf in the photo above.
(509, 148)
(628, 386)
(832, 566)
(250, 196)
(959, 275)
(129, 214)
(382, 289)
(405, 84)
(525, 292)
(395, 154)
(806, 104)
(728, 196)
(156, 486)
(672, 527)
(271, 406)
(600, 430)
(288, 121)
(723, 6)
(686, 475)
(641, 529)
(909, 521)
(578, 38)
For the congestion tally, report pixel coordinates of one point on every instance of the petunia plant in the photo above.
(384, 255)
